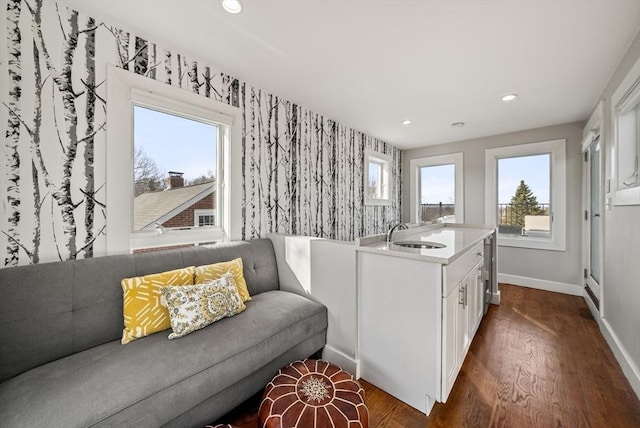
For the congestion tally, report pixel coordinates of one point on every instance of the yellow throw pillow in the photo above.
(212, 272)
(145, 311)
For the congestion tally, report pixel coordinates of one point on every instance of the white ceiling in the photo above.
(371, 63)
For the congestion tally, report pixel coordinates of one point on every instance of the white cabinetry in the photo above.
(477, 304)
(416, 322)
(462, 312)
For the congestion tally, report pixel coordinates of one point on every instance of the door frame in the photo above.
(592, 134)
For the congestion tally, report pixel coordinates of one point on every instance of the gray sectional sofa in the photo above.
(62, 364)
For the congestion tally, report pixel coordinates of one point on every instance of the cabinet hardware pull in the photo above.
(461, 291)
(466, 289)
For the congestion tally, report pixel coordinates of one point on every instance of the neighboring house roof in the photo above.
(153, 207)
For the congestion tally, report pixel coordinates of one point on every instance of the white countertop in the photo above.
(458, 238)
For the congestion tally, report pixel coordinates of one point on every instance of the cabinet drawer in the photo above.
(455, 271)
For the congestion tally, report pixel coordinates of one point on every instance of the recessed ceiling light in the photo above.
(406, 122)
(457, 124)
(232, 6)
(509, 97)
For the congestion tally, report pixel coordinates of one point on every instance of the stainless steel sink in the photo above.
(419, 244)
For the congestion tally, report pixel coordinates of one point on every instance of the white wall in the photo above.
(325, 271)
(556, 269)
(621, 287)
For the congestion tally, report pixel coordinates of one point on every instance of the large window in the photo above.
(437, 189)
(524, 188)
(525, 199)
(174, 170)
(167, 164)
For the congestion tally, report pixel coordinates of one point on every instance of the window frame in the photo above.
(384, 160)
(124, 90)
(625, 99)
(558, 192)
(457, 159)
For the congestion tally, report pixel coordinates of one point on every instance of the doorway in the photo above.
(592, 218)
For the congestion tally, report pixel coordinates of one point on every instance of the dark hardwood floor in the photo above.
(538, 360)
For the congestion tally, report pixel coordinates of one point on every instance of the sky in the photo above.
(438, 182)
(175, 143)
(534, 170)
(189, 146)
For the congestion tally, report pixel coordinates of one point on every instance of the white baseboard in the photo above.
(540, 284)
(592, 307)
(495, 298)
(629, 369)
(341, 360)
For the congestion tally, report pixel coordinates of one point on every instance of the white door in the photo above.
(592, 218)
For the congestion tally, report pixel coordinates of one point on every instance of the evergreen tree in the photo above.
(522, 203)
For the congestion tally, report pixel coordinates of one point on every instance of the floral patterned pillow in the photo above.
(192, 307)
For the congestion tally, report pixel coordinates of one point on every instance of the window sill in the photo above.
(377, 202)
(153, 238)
(627, 196)
(531, 243)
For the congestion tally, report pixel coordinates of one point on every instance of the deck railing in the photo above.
(511, 217)
(431, 212)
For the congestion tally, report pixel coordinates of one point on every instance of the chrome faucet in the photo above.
(392, 228)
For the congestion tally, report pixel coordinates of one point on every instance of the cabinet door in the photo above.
(475, 297)
(479, 296)
(451, 307)
(472, 304)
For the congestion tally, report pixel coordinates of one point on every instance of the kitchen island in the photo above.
(419, 308)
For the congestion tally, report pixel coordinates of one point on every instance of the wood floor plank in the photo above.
(537, 360)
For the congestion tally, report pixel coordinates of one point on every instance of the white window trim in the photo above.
(385, 161)
(123, 90)
(557, 149)
(200, 212)
(625, 98)
(457, 159)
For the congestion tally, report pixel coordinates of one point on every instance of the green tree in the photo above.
(522, 203)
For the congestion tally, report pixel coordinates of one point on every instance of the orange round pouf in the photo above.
(313, 393)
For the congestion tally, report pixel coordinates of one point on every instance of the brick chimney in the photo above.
(175, 180)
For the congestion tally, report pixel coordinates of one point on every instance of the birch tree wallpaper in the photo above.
(302, 173)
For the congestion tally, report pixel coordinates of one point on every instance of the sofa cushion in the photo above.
(94, 387)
